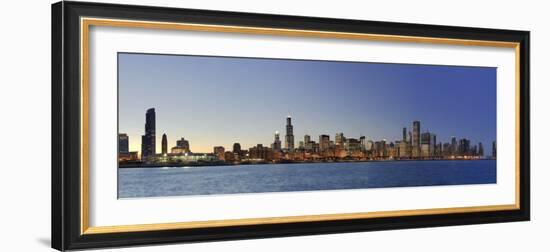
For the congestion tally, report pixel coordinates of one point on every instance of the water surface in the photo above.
(179, 181)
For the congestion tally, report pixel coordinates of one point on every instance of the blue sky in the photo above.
(215, 101)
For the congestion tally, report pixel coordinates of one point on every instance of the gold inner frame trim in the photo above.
(86, 23)
(288, 219)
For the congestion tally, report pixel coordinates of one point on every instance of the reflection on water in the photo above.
(178, 181)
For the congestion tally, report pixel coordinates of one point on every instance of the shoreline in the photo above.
(131, 166)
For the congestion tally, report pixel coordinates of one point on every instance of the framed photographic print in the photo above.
(180, 125)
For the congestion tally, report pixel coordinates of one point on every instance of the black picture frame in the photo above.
(66, 141)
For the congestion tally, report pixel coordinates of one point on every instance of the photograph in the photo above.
(209, 125)
(182, 123)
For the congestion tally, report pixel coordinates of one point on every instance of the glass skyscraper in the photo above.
(148, 141)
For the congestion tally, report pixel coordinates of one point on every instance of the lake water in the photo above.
(178, 181)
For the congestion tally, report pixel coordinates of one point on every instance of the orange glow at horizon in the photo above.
(136, 146)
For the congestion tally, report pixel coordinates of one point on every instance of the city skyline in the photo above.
(237, 99)
(414, 145)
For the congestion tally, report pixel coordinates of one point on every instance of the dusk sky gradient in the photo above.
(217, 101)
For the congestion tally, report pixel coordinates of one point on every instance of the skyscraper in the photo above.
(164, 144)
(433, 144)
(494, 152)
(384, 148)
(237, 148)
(416, 139)
(464, 147)
(340, 139)
(404, 150)
(276, 146)
(353, 144)
(219, 151)
(289, 137)
(425, 144)
(308, 144)
(148, 141)
(307, 138)
(454, 146)
(404, 134)
(363, 141)
(480, 150)
(237, 152)
(370, 145)
(123, 143)
(324, 142)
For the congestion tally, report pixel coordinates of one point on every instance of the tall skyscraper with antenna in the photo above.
(289, 137)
